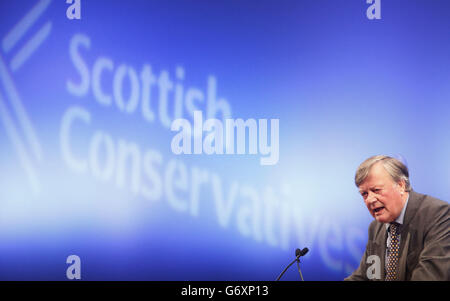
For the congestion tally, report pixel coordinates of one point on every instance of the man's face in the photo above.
(383, 197)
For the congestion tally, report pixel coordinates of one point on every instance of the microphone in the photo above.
(298, 253)
(302, 252)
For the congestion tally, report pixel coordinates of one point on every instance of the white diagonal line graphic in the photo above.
(24, 24)
(31, 142)
(26, 51)
(21, 114)
(17, 142)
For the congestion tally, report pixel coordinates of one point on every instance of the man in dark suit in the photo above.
(410, 236)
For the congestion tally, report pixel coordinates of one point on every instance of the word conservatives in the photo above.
(219, 137)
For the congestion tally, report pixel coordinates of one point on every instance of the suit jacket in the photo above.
(424, 243)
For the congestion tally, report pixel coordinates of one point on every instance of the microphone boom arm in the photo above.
(284, 271)
(298, 254)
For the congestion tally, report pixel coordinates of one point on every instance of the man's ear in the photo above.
(402, 186)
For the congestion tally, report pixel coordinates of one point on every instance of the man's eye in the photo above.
(364, 194)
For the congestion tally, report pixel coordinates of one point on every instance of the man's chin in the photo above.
(383, 219)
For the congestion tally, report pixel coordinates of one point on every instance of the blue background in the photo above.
(343, 87)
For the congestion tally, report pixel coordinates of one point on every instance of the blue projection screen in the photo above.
(92, 108)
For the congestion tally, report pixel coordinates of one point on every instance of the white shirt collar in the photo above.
(401, 217)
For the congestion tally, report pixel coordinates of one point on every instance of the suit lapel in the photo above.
(383, 238)
(411, 210)
(404, 247)
(379, 247)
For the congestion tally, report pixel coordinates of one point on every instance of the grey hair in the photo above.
(395, 168)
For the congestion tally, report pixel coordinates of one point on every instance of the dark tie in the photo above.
(392, 267)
